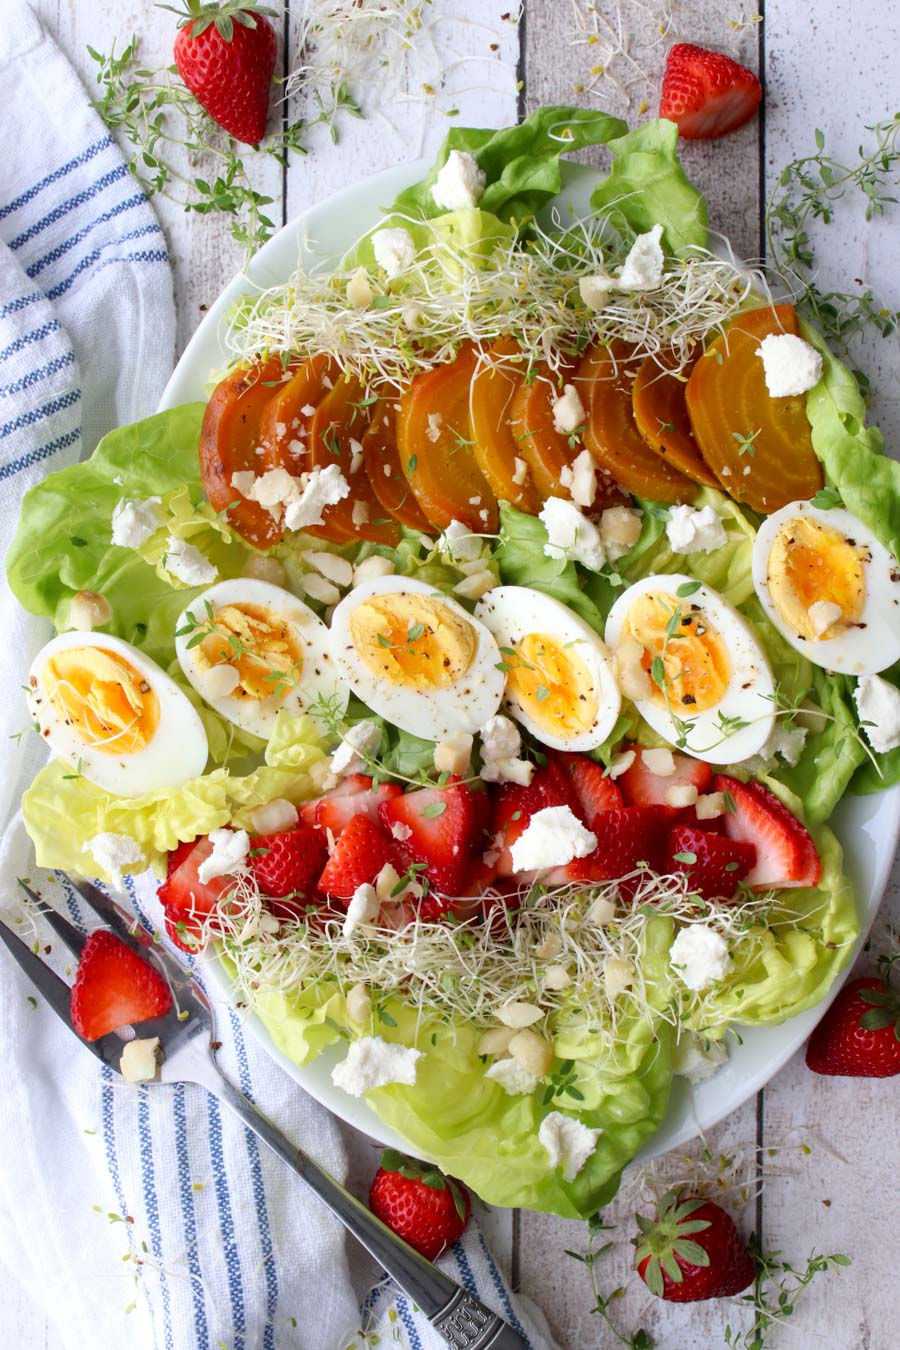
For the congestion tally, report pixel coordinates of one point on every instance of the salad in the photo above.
(481, 664)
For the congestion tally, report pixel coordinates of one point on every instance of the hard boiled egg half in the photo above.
(693, 667)
(107, 709)
(417, 657)
(560, 682)
(829, 587)
(250, 649)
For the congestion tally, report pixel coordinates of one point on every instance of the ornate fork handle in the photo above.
(464, 1322)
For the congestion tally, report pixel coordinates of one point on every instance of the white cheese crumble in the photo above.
(321, 488)
(878, 703)
(500, 746)
(568, 1143)
(433, 430)
(513, 1077)
(360, 513)
(273, 490)
(568, 411)
(400, 831)
(133, 522)
(822, 614)
(188, 564)
(372, 1062)
(394, 250)
(571, 535)
(552, 838)
(690, 530)
(788, 742)
(696, 1062)
(362, 739)
(139, 1059)
(520, 471)
(791, 365)
(111, 852)
(459, 183)
(642, 270)
(700, 955)
(620, 529)
(362, 909)
(230, 850)
(580, 477)
(459, 543)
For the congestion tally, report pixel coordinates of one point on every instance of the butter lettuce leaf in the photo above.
(62, 812)
(522, 561)
(520, 163)
(648, 186)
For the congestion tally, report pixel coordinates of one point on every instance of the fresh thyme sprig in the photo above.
(775, 1292)
(157, 116)
(808, 190)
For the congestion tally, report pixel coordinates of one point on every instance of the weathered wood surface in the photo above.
(842, 1195)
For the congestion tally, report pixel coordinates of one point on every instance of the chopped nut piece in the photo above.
(533, 1051)
(518, 1014)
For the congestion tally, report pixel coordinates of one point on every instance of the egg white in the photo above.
(318, 677)
(750, 691)
(176, 753)
(432, 714)
(863, 648)
(513, 613)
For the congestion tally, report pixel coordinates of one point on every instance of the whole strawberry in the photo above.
(705, 93)
(225, 53)
(859, 1036)
(691, 1251)
(421, 1205)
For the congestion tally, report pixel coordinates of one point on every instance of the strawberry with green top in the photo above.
(225, 53)
(691, 1251)
(419, 1204)
(859, 1036)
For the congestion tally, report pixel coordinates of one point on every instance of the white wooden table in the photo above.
(831, 65)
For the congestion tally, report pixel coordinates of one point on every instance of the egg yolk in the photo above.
(412, 640)
(810, 562)
(696, 667)
(109, 704)
(552, 685)
(258, 643)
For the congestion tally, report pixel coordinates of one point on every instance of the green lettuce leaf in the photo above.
(647, 186)
(789, 965)
(852, 453)
(522, 561)
(469, 1125)
(521, 163)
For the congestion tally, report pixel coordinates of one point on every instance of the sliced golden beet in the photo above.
(229, 439)
(546, 451)
(284, 426)
(661, 416)
(343, 416)
(759, 447)
(436, 456)
(382, 462)
(604, 382)
(497, 378)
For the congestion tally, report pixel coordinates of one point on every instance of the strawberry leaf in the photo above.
(691, 1251)
(876, 1019)
(653, 1277)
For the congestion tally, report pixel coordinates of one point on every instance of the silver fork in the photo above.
(189, 1057)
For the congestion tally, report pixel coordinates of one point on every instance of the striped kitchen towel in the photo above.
(136, 1218)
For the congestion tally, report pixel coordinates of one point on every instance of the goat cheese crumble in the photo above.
(571, 535)
(567, 1142)
(372, 1062)
(700, 955)
(230, 850)
(552, 838)
(878, 704)
(692, 530)
(791, 365)
(394, 250)
(460, 182)
(133, 522)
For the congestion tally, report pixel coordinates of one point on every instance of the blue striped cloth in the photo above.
(137, 1218)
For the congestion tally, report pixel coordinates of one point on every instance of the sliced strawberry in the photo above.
(594, 790)
(785, 852)
(184, 934)
(705, 93)
(177, 855)
(289, 864)
(630, 835)
(446, 831)
(714, 863)
(641, 787)
(359, 855)
(185, 898)
(115, 987)
(351, 786)
(335, 811)
(514, 806)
